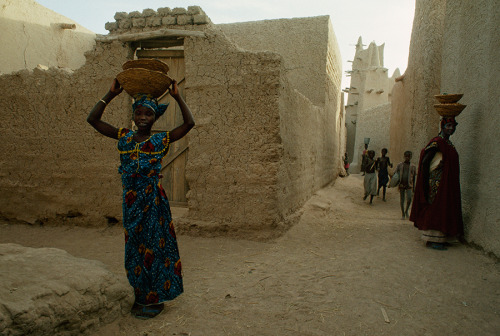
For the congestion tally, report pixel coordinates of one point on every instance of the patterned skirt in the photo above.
(435, 236)
(434, 181)
(152, 259)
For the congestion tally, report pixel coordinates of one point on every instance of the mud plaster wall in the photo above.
(334, 105)
(374, 125)
(471, 66)
(454, 48)
(400, 124)
(414, 101)
(308, 47)
(311, 149)
(302, 42)
(34, 36)
(240, 147)
(343, 133)
(235, 148)
(237, 152)
(53, 163)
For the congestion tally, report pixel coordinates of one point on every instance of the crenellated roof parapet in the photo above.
(149, 19)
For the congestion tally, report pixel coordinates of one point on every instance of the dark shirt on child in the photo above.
(370, 166)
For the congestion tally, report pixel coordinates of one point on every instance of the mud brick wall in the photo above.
(262, 144)
(312, 64)
(150, 19)
(303, 43)
(260, 148)
(235, 148)
(54, 165)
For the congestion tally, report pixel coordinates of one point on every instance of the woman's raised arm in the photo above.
(183, 129)
(94, 117)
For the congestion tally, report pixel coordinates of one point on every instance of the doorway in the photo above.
(174, 163)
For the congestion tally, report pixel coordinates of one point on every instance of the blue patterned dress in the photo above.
(152, 258)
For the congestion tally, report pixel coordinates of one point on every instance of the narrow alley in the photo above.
(347, 268)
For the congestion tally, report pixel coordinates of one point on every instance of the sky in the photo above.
(379, 21)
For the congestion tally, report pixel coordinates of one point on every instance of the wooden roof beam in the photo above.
(155, 44)
(165, 32)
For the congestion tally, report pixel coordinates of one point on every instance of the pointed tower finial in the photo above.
(375, 61)
(359, 45)
(374, 55)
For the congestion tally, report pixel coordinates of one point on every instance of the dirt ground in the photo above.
(347, 268)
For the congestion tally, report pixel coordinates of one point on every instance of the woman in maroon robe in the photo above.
(437, 205)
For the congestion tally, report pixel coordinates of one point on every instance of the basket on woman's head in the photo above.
(448, 106)
(145, 77)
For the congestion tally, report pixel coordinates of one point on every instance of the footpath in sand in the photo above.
(347, 268)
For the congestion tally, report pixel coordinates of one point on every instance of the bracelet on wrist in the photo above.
(102, 100)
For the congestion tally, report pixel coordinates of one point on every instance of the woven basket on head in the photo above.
(449, 98)
(147, 63)
(142, 81)
(449, 110)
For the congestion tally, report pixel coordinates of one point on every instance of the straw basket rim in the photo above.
(143, 81)
(147, 63)
(449, 98)
(449, 110)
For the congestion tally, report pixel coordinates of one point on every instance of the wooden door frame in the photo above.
(175, 52)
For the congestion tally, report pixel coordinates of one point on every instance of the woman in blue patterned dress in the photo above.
(151, 255)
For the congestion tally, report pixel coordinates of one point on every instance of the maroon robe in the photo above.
(445, 212)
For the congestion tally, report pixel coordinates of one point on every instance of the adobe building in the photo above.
(368, 108)
(454, 49)
(37, 35)
(263, 142)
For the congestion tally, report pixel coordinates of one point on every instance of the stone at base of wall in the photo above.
(68, 220)
(47, 291)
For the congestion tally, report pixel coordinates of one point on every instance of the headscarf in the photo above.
(149, 102)
(446, 120)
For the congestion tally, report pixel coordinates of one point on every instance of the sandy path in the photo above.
(334, 273)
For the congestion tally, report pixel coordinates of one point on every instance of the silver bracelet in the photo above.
(102, 100)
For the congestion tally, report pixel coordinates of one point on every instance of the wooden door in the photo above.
(174, 163)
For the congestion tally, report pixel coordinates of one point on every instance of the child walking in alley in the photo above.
(346, 163)
(406, 172)
(370, 181)
(383, 163)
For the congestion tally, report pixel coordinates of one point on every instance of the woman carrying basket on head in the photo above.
(437, 205)
(152, 259)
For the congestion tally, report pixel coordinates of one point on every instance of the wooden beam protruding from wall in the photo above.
(131, 37)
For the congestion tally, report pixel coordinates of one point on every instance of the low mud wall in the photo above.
(54, 165)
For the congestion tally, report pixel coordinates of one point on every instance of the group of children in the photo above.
(403, 178)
